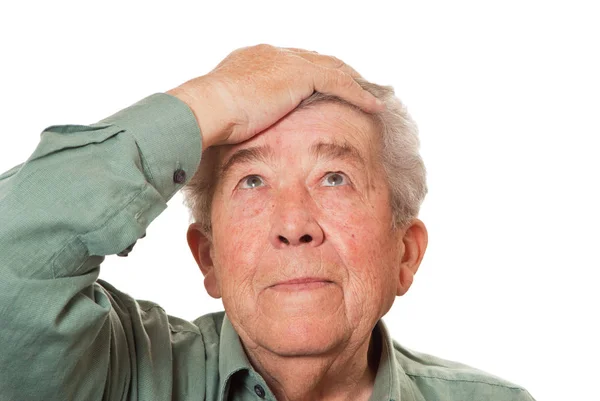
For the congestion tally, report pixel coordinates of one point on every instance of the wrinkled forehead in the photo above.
(308, 131)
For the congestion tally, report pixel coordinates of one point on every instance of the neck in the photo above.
(342, 375)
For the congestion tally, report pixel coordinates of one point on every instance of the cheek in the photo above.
(239, 216)
(347, 215)
(360, 232)
(248, 205)
(238, 226)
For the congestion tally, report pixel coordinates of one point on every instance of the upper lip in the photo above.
(302, 280)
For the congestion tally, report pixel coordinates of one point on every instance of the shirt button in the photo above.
(259, 391)
(179, 176)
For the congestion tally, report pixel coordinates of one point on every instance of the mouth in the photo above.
(301, 284)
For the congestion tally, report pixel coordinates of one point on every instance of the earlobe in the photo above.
(405, 280)
(200, 246)
(415, 243)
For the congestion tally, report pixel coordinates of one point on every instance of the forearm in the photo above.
(85, 192)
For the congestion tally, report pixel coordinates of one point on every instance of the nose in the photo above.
(293, 222)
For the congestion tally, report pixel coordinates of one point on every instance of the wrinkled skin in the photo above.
(295, 215)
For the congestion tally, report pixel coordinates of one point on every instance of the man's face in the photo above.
(306, 199)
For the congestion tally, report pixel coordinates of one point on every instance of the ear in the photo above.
(201, 247)
(414, 243)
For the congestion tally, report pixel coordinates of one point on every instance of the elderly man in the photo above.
(305, 223)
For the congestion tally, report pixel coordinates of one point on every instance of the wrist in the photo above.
(196, 96)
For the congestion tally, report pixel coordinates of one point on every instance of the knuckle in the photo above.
(344, 80)
(336, 81)
(263, 47)
(336, 62)
(305, 51)
(332, 78)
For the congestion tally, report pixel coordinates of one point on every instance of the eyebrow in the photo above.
(334, 150)
(320, 150)
(258, 153)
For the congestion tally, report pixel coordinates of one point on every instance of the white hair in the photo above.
(402, 163)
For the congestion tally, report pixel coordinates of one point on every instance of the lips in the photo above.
(301, 284)
(303, 280)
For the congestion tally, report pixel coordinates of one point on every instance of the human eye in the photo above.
(251, 181)
(335, 179)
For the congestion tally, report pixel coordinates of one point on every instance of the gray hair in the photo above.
(400, 158)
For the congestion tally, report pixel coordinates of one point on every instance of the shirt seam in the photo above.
(77, 237)
(466, 381)
(143, 159)
(68, 243)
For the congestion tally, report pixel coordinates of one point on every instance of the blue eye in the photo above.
(252, 181)
(335, 179)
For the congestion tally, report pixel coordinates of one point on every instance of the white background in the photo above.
(507, 97)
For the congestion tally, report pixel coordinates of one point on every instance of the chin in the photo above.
(296, 337)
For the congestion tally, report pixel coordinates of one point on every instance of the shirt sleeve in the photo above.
(85, 192)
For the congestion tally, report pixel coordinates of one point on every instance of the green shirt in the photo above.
(91, 191)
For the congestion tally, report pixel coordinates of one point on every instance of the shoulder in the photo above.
(440, 379)
(147, 319)
(206, 328)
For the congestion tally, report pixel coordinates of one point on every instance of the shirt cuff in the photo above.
(168, 137)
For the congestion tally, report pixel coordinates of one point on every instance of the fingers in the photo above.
(335, 77)
(338, 83)
(325, 61)
(330, 62)
(298, 50)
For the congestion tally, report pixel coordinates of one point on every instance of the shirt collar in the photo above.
(232, 357)
(387, 386)
(387, 381)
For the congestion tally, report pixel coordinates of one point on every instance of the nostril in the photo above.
(305, 238)
(284, 240)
